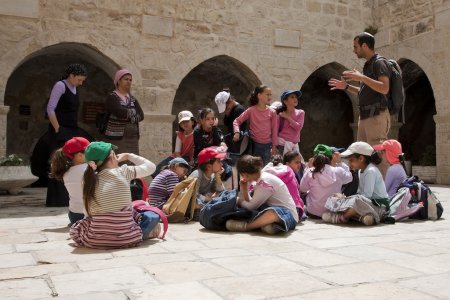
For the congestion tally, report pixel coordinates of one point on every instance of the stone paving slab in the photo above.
(407, 260)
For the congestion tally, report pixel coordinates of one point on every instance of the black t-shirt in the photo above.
(234, 113)
(373, 68)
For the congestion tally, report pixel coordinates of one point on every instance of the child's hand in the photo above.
(336, 158)
(236, 136)
(274, 150)
(311, 162)
(122, 157)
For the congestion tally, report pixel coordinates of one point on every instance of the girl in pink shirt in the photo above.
(263, 123)
(290, 122)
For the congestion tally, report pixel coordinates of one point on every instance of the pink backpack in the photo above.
(141, 205)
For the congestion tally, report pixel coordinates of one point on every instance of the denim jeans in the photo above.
(263, 151)
(73, 217)
(149, 220)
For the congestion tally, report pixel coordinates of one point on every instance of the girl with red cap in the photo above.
(395, 174)
(125, 113)
(68, 165)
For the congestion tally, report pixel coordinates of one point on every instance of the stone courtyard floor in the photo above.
(408, 260)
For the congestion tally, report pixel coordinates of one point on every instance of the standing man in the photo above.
(374, 117)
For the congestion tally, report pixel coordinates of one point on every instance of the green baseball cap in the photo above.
(98, 152)
(324, 150)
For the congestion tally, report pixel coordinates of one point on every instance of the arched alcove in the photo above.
(29, 86)
(328, 114)
(418, 134)
(199, 87)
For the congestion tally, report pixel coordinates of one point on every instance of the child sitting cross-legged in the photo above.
(208, 174)
(277, 211)
(370, 202)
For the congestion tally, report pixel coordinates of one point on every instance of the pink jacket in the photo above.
(323, 185)
(286, 175)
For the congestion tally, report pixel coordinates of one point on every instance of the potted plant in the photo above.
(14, 174)
(426, 170)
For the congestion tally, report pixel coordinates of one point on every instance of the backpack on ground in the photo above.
(141, 206)
(139, 190)
(396, 96)
(101, 120)
(401, 207)
(181, 204)
(421, 194)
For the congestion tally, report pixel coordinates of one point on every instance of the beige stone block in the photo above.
(442, 19)
(6, 248)
(256, 265)
(433, 285)
(35, 271)
(280, 283)
(24, 289)
(76, 255)
(362, 273)
(185, 290)
(118, 295)
(342, 10)
(173, 272)
(313, 6)
(432, 264)
(174, 246)
(22, 238)
(371, 252)
(242, 241)
(138, 260)
(328, 8)
(317, 258)
(412, 247)
(388, 291)
(155, 25)
(20, 8)
(16, 260)
(216, 253)
(383, 37)
(101, 281)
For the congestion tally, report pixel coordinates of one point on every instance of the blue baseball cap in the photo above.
(337, 149)
(180, 161)
(288, 92)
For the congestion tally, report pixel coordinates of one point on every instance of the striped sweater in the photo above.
(162, 187)
(112, 223)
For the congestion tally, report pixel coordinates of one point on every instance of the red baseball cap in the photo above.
(74, 145)
(210, 153)
(393, 150)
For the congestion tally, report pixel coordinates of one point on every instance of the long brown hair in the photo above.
(90, 180)
(319, 163)
(59, 164)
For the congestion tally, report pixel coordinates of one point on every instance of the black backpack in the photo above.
(396, 96)
(138, 188)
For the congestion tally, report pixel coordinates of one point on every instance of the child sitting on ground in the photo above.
(369, 204)
(208, 174)
(391, 150)
(294, 160)
(111, 222)
(184, 142)
(322, 179)
(207, 134)
(68, 165)
(277, 211)
(163, 185)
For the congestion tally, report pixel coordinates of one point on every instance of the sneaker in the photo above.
(332, 218)
(367, 220)
(236, 226)
(270, 229)
(155, 232)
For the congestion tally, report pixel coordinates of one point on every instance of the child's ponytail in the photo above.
(254, 95)
(375, 158)
(59, 164)
(277, 159)
(89, 184)
(319, 163)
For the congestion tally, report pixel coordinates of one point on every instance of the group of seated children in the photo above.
(102, 215)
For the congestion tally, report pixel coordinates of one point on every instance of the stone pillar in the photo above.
(156, 136)
(442, 148)
(395, 127)
(3, 128)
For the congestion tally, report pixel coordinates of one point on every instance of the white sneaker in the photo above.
(332, 218)
(155, 232)
(236, 226)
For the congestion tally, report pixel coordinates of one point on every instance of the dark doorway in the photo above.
(418, 134)
(328, 114)
(198, 89)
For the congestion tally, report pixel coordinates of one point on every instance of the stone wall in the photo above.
(282, 42)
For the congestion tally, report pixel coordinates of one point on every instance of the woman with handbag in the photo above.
(125, 113)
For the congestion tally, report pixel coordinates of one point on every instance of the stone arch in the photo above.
(418, 134)
(28, 88)
(199, 87)
(328, 114)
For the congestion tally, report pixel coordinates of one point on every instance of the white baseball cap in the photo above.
(221, 100)
(358, 148)
(184, 115)
(276, 105)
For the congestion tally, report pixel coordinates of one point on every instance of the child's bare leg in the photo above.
(350, 213)
(268, 217)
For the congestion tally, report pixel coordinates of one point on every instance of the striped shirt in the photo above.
(112, 192)
(162, 187)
